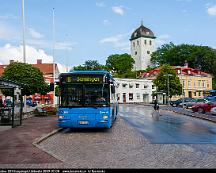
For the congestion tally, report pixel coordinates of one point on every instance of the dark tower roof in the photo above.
(142, 31)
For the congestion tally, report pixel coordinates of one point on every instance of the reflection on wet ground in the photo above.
(170, 128)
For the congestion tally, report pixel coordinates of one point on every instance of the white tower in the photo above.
(142, 46)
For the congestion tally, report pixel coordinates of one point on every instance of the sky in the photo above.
(95, 29)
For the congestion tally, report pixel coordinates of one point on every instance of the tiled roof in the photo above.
(183, 70)
(46, 69)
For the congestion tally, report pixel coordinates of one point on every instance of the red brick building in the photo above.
(47, 70)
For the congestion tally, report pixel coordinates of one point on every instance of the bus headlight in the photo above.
(105, 117)
(61, 117)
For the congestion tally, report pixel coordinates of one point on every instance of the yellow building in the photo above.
(195, 82)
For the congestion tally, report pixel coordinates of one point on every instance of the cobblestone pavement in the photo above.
(123, 147)
(16, 143)
(119, 147)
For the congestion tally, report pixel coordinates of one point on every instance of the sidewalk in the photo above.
(16, 143)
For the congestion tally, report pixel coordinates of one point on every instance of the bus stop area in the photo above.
(16, 146)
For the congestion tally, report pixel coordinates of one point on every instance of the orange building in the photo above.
(47, 70)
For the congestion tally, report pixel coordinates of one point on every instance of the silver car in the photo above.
(213, 111)
(194, 102)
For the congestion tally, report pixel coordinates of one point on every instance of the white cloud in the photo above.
(163, 39)
(34, 34)
(100, 4)
(8, 33)
(212, 10)
(9, 52)
(106, 22)
(118, 10)
(118, 41)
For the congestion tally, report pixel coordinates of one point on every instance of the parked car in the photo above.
(203, 107)
(194, 102)
(178, 103)
(213, 111)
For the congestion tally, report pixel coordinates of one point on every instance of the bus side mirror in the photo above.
(52, 86)
(112, 89)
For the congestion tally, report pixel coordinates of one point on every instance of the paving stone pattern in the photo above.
(123, 147)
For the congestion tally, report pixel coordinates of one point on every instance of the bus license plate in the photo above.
(83, 122)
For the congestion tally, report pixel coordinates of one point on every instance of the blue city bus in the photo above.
(87, 100)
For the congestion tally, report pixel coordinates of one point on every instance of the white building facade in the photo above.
(142, 46)
(134, 90)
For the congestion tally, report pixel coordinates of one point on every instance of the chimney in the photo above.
(11, 61)
(39, 61)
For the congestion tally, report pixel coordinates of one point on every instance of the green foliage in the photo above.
(161, 82)
(90, 65)
(202, 57)
(57, 91)
(119, 64)
(26, 74)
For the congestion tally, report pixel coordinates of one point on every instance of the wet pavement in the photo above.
(170, 128)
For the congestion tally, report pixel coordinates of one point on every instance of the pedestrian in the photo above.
(156, 113)
(156, 105)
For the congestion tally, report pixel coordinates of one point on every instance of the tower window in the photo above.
(148, 52)
(150, 42)
(145, 42)
(138, 43)
(133, 44)
(135, 52)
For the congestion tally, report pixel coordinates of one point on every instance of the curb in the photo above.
(37, 141)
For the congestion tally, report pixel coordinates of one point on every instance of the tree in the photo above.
(119, 64)
(31, 78)
(90, 65)
(161, 82)
(202, 57)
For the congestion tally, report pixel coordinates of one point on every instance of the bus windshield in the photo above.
(84, 95)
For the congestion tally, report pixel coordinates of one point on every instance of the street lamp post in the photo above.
(54, 56)
(168, 87)
(23, 20)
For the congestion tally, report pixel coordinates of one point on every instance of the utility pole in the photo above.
(23, 20)
(24, 44)
(53, 33)
(168, 87)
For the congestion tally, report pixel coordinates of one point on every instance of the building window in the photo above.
(183, 83)
(195, 94)
(148, 52)
(145, 42)
(135, 52)
(118, 96)
(138, 96)
(189, 83)
(134, 44)
(130, 85)
(199, 93)
(137, 85)
(199, 83)
(153, 87)
(124, 85)
(130, 96)
(145, 86)
(137, 43)
(194, 84)
(150, 42)
(208, 85)
(203, 83)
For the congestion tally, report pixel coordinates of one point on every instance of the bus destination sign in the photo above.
(83, 79)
